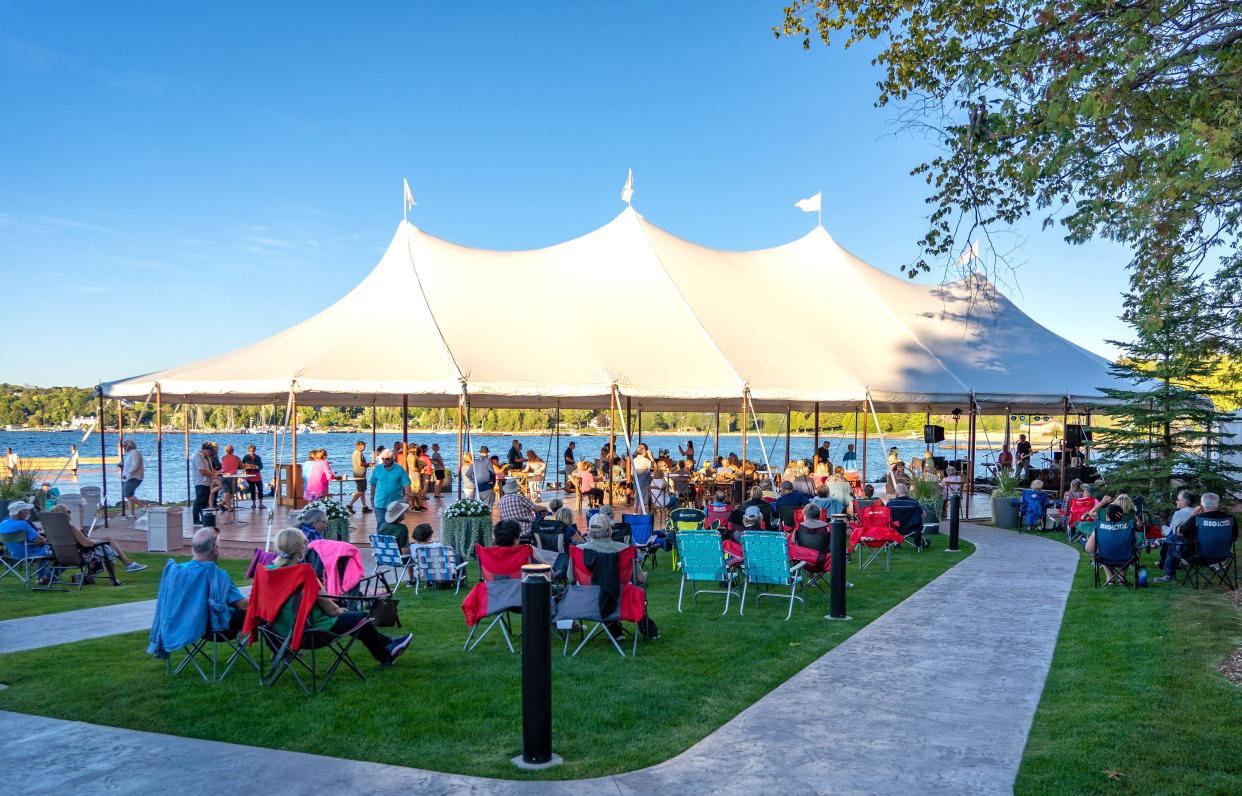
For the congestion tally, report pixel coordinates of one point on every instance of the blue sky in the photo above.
(178, 180)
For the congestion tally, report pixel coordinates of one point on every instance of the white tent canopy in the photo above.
(667, 323)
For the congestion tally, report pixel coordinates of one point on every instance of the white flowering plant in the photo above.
(468, 508)
(334, 510)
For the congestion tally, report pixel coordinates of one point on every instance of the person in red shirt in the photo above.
(230, 463)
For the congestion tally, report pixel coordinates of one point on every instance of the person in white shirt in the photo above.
(132, 473)
(201, 476)
(11, 459)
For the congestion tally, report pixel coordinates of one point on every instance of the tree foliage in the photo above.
(1167, 429)
(1115, 118)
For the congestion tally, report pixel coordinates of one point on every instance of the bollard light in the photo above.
(536, 669)
(955, 510)
(837, 583)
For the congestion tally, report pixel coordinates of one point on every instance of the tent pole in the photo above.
(159, 445)
(275, 454)
(745, 394)
(373, 439)
(815, 439)
(103, 454)
(461, 400)
(972, 438)
(185, 411)
(295, 467)
(629, 453)
(120, 442)
(786, 435)
(864, 448)
(612, 439)
(1086, 449)
(405, 433)
(640, 423)
(716, 438)
(1064, 452)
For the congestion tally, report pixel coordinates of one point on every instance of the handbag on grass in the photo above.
(384, 612)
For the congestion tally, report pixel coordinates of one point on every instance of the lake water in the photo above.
(340, 447)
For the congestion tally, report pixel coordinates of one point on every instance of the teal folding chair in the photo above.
(766, 563)
(703, 561)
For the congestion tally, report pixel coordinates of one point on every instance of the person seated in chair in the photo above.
(599, 539)
(911, 511)
(586, 485)
(326, 614)
(1035, 502)
(790, 497)
(1181, 542)
(827, 504)
(312, 523)
(35, 543)
(103, 546)
(812, 520)
(516, 506)
(868, 497)
(506, 533)
(393, 525)
(756, 502)
(1114, 513)
(206, 550)
(421, 539)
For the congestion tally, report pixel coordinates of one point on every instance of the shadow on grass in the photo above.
(445, 710)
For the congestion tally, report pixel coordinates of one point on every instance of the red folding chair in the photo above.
(498, 593)
(717, 517)
(877, 532)
(1076, 513)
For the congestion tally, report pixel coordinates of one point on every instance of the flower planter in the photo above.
(337, 530)
(1004, 512)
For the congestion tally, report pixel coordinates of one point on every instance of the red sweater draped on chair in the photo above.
(272, 589)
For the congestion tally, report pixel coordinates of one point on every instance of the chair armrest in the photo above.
(797, 567)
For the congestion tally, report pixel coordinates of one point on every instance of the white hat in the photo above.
(752, 513)
(599, 522)
(510, 486)
(18, 506)
(395, 511)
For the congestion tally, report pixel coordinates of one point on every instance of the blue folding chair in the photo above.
(765, 560)
(1214, 559)
(388, 555)
(703, 561)
(1115, 552)
(643, 536)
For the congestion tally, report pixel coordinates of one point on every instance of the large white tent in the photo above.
(664, 322)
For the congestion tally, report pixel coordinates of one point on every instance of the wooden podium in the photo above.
(289, 485)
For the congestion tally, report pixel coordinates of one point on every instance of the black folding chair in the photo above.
(286, 659)
(821, 543)
(1115, 553)
(909, 521)
(200, 655)
(1213, 559)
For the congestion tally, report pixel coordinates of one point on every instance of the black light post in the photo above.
(837, 583)
(955, 508)
(536, 669)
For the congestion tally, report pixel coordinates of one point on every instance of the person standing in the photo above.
(360, 466)
(214, 498)
(12, 460)
(437, 466)
(73, 461)
(252, 465)
(516, 460)
(201, 476)
(688, 451)
(468, 491)
(570, 464)
(1023, 449)
(389, 482)
(484, 478)
(318, 475)
(132, 473)
(849, 460)
(641, 470)
(230, 464)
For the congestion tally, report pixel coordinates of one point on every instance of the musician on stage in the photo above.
(1023, 450)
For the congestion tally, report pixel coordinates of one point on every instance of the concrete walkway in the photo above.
(936, 696)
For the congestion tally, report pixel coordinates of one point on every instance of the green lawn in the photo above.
(1134, 690)
(16, 601)
(445, 710)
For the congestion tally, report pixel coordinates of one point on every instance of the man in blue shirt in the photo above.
(389, 482)
(32, 544)
(206, 552)
(850, 460)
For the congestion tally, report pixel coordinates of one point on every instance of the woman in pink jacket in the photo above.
(318, 474)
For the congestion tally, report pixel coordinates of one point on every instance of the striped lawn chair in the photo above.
(389, 556)
(437, 563)
(766, 562)
(703, 560)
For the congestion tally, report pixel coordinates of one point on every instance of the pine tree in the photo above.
(1166, 432)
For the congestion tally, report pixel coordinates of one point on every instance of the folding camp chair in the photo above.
(1034, 509)
(1214, 558)
(20, 564)
(581, 601)
(198, 655)
(66, 553)
(549, 543)
(819, 543)
(437, 563)
(203, 653)
(389, 556)
(687, 519)
(877, 532)
(1115, 552)
(643, 537)
(1075, 513)
(766, 562)
(909, 523)
(496, 595)
(286, 659)
(790, 517)
(718, 517)
(703, 560)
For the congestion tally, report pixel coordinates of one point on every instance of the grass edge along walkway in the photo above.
(1134, 702)
(443, 709)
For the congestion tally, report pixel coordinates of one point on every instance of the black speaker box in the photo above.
(1075, 433)
(933, 434)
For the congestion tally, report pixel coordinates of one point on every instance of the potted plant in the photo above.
(338, 518)
(1004, 500)
(465, 524)
(927, 492)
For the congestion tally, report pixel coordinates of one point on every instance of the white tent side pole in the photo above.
(883, 443)
(271, 514)
(759, 434)
(625, 433)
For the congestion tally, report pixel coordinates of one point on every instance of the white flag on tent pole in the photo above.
(627, 192)
(812, 204)
(409, 197)
(970, 255)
